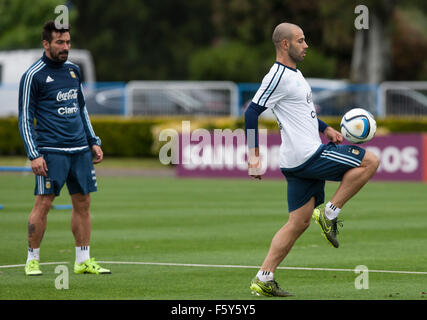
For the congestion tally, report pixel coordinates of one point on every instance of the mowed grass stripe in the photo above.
(216, 222)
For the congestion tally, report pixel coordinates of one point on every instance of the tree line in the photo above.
(229, 39)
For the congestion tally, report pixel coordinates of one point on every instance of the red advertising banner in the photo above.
(402, 156)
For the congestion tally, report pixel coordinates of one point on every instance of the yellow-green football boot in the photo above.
(268, 288)
(32, 268)
(90, 266)
(329, 227)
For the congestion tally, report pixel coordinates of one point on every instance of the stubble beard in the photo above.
(293, 54)
(56, 56)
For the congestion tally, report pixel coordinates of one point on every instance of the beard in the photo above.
(293, 53)
(60, 56)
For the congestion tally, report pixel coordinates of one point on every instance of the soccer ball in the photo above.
(358, 126)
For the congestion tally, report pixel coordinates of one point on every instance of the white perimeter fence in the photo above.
(225, 98)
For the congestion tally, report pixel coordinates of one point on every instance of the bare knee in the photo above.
(299, 224)
(43, 203)
(299, 219)
(81, 203)
(370, 161)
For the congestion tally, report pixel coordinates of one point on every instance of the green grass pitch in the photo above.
(209, 226)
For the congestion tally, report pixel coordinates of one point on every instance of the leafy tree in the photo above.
(22, 21)
(229, 39)
(133, 39)
(233, 61)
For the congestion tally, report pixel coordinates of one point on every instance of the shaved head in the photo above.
(289, 40)
(284, 31)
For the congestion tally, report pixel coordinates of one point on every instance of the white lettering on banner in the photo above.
(219, 157)
(228, 157)
(186, 158)
(215, 157)
(392, 159)
(64, 96)
(242, 162)
(409, 159)
(228, 150)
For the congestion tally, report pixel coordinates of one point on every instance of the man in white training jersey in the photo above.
(304, 160)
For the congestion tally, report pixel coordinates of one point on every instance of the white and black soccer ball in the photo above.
(358, 126)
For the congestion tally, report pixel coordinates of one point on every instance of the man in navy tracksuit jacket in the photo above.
(62, 146)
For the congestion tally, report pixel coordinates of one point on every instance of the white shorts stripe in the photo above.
(340, 159)
(40, 184)
(326, 152)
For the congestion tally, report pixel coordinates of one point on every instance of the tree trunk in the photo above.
(371, 50)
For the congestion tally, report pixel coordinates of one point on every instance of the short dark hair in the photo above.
(50, 27)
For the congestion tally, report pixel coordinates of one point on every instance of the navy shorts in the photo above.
(330, 162)
(75, 169)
